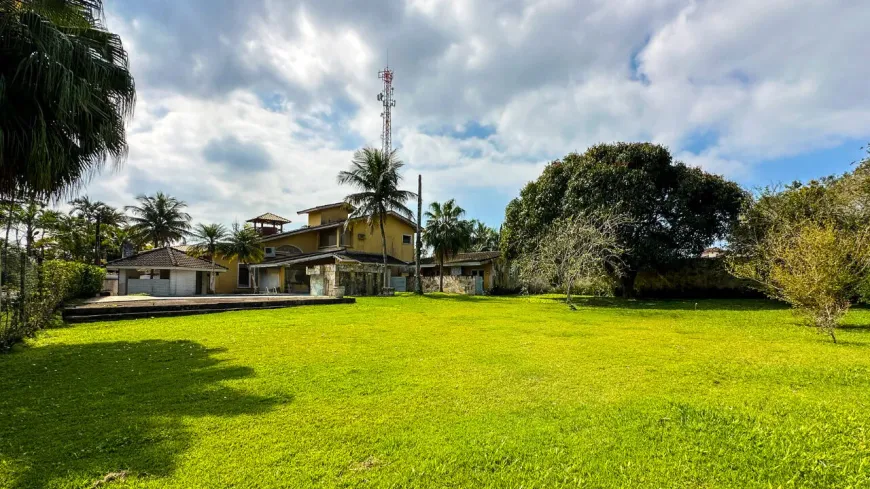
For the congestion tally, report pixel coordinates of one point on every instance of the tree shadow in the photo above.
(443, 296)
(78, 412)
(678, 304)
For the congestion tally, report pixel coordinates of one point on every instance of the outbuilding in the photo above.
(163, 272)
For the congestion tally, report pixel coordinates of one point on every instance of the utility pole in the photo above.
(419, 282)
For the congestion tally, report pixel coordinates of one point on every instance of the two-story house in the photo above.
(327, 239)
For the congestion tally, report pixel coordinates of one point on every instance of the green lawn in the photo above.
(444, 392)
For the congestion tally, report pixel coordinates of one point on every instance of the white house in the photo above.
(163, 272)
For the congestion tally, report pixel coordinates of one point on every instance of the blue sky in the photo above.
(249, 107)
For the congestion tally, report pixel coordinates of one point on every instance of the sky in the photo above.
(254, 106)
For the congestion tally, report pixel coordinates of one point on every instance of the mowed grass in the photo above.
(444, 392)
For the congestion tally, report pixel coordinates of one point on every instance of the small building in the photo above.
(163, 272)
(473, 272)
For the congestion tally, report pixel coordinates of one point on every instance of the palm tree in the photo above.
(208, 238)
(376, 175)
(446, 232)
(243, 244)
(67, 92)
(160, 219)
(483, 237)
(101, 214)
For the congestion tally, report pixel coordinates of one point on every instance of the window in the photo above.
(244, 280)
(164, 274)
(346, 239)
(406, 239)
(328, 238)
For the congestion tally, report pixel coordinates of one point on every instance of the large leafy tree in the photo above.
(65, 93)
(376, 175)
(160, 219)
(207, 240)
(446, 232)
(672, 210)
(243, 244)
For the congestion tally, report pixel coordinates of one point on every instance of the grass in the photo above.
(443, 391)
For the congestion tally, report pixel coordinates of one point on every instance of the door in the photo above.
(478, 284)
(399, 284)
(199, 281)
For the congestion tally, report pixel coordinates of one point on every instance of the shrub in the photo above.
(48, 286)
(817, 268)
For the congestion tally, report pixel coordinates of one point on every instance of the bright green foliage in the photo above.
(52, 285)
(673, 210)
(159, 219)
(443, 391)
(446, 232)
(65, 92)
(376, 175)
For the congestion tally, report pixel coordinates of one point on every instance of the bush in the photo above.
(693, 278)
(47, 288)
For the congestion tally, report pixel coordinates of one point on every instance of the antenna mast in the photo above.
(386, 98)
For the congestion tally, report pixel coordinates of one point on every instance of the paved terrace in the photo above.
(134, 307)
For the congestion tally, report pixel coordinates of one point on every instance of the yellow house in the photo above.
(327, 239)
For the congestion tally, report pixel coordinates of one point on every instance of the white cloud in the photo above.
(753, 80)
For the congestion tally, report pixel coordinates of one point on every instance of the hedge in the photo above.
(46, 289)
(693, 278)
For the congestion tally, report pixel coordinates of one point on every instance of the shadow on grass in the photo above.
(677, 304)
(440, 296)
(78, 412)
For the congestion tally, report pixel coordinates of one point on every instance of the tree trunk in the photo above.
(4, 296)
(97, 260)
(441, 273)
(211, 276)
(384, 242)
(568, 295)
(419, 284)
(22, 291)
(626, 282)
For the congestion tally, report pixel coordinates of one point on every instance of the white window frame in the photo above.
(239, 274)
(410, 239)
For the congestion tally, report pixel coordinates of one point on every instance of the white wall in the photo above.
(182, 282)
(122, 282)
(155, 287)
(269, 278)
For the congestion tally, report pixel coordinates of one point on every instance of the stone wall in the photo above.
(356, 278)
(452, 284)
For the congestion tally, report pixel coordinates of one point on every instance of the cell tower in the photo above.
(386, 97)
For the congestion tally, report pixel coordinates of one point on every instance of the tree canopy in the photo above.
(65, 93)
(671, 210)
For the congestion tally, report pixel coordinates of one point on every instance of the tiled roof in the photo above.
(323, 207)
(475, 256)
(163, 258)
(269, 217)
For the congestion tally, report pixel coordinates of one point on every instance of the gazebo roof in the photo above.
(270, 219)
